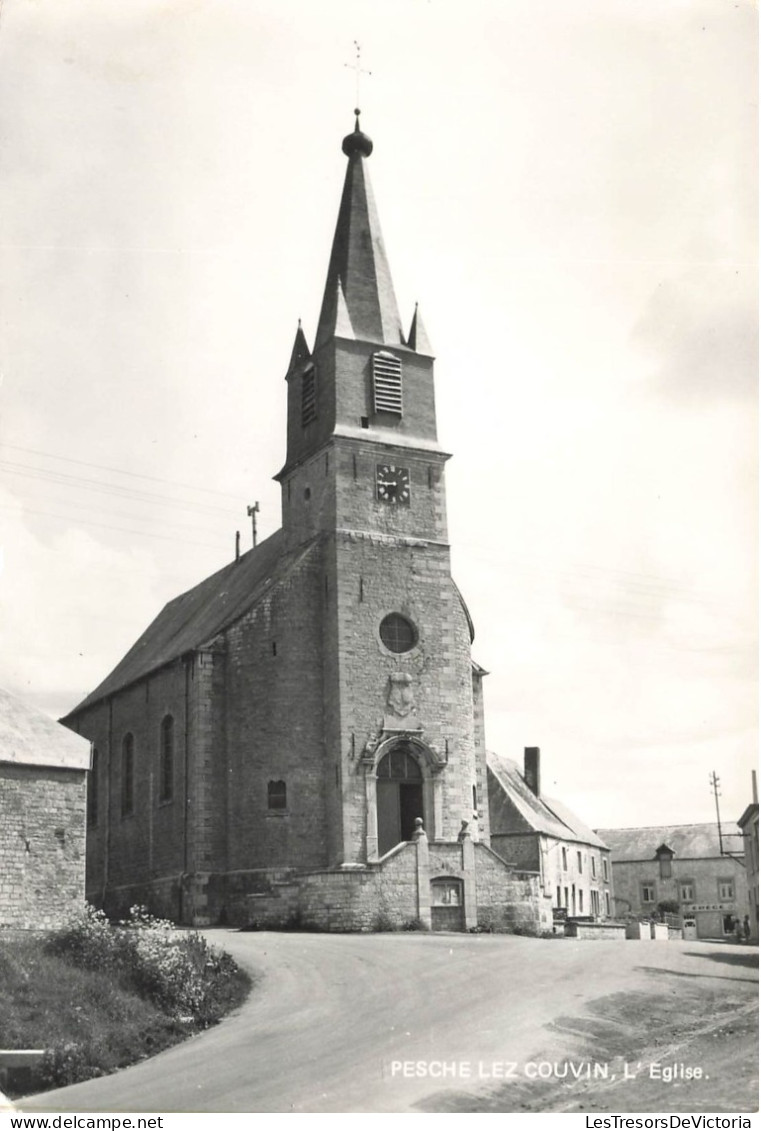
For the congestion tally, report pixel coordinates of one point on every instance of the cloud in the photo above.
(701, 329)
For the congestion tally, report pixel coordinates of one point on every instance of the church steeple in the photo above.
(361, 383)
(359, 300)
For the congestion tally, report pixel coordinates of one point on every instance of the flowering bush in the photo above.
(176, 970)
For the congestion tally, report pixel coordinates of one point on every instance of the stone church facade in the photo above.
(300, 737)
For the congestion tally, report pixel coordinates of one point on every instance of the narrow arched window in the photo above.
(128, 775)
(277, 797)
(166, 764)
(92, 790)
(308, 396)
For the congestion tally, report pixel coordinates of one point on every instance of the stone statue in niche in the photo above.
(400, 699)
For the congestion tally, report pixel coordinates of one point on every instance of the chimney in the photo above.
(531, 768)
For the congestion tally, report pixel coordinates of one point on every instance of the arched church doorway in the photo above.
(399, 796)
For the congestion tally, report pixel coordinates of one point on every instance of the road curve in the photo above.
(332, 1016)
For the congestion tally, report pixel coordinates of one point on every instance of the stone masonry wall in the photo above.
(42, 845)
(508, 900)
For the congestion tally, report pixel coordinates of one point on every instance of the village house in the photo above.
(300, 738)
(43, 789)
(541, 834)
(748, 824)
(683, 866)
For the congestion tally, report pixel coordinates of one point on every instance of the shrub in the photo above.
(178, 971)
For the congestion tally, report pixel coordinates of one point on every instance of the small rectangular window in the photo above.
(593, 864)
(604, 867)
(726, 889)
(387, 383)
(565, 859)
(581, 902)
(648, 893)
(687, 892)
(308, 396)
(607, 903)
(579, 861)
(277, 797)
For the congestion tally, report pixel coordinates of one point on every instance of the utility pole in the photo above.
(252, 513)
(714, 782)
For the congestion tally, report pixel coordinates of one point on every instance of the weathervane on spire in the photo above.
(358, 72)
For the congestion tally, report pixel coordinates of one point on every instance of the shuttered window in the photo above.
(387, 383)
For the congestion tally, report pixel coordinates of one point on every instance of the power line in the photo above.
(64, 479)
(118, 470)
(120, 529)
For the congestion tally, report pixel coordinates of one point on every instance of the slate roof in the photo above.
(687, 842)
(29, 737)
(540, 814)
(359, 299)
(194, 618)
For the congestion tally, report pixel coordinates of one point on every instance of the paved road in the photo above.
(333, 1016)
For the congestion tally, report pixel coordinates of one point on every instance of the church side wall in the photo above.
(42, 845)
(139, 856)
(274, 725)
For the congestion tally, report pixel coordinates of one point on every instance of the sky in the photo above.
(568, 189)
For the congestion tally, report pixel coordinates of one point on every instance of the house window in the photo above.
(277, 797)
(387, 383)
(607, 904)
(579, 861)
(648, 893)
(308, 397)
(726, 890)
(664, 863)
(166, 762)
(92, 790)
(604, 868)
(687, 891)
(581, 902)
(128, 775)
(564, 854)
(558, 897)
(593, 864)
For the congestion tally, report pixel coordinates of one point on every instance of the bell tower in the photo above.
(364, 476)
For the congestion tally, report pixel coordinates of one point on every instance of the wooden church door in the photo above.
(400, 797)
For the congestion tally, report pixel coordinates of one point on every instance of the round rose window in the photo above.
(397, 633)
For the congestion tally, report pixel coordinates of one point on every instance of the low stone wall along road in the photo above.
(417, 1022)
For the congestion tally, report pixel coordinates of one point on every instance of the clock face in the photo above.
(392, 484)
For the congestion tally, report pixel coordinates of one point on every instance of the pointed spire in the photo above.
(343, 326)
(417, 339)
(300, 352)
(358, 269)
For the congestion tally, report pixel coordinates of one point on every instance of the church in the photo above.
(299, 739)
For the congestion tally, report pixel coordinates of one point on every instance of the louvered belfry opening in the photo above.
(387, 383)
(308, 396)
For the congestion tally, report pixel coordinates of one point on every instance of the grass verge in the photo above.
(98, 996)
